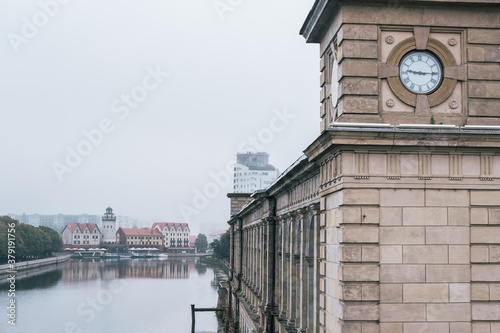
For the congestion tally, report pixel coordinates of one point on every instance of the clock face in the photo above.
(420, 72)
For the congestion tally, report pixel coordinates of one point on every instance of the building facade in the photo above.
(81, 235)
(175, 235)
(253, 172)
(109, 227)
(56, 222)
(390, 222)
(145, 237)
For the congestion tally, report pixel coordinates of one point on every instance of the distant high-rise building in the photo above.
(126, 222)
(56, 222)
(109, 227)
(252, 172)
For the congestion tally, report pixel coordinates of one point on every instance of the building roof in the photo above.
(170, 225)
(218, 232)
(72, 227)
(192, 239)
(267, 167)
(140, 232)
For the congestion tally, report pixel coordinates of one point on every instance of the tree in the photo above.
(28, 242)
(201, 243)
(56, 241)
(222, 247)
(4, 226)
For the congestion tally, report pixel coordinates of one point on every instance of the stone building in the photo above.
(145, 237)
(109, 227)
(84, 235)
(390, 222)
(175, 236)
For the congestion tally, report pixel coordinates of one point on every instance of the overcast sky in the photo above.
(138, 104)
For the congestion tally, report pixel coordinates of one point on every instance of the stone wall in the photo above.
(407, 231)
(375, 233)
(355, 69)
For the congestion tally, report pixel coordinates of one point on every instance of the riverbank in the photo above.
(221, 273)
(31, 268)
(196, 255)
(209, 260)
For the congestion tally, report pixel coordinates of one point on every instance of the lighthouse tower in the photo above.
(109, 227)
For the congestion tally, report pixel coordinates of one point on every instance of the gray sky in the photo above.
(90, 117)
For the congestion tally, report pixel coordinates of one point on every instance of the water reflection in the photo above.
(154, 296)
(200, 268)
(85, 270)
(45, 280)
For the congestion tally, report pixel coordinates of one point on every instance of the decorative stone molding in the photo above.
(424, 166)
(434, 46)
(486, 166)
(314, 209)
(393, 166)
(361, 161)
(455, 166)
(328, 171)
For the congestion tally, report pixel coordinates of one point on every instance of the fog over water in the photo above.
(142, 105)
(129, 296)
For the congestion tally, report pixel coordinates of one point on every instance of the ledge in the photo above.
(449, 137)
(322, 12)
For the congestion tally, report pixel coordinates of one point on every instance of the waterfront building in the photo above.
(252, 172)
(83, 235)
(109, 227)
(175, 236)
(144, 237)
(192, 240)
(390, 221)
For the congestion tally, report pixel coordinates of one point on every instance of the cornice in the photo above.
(435, 136)
(321, 14)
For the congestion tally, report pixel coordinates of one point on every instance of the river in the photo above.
(107, 296)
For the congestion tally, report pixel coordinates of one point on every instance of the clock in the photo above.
(420, 72)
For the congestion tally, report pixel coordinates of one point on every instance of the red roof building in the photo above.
(81, 235)
(144, 237)
(192, 240)
(175, 235)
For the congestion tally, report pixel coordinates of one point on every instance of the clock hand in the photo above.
(423, 73)
(419, 73)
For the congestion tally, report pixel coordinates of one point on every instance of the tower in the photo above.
(409, 164)
(109, 227)
(390, 222)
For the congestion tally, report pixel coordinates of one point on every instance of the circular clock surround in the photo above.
(441, 52)
(420, 72)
